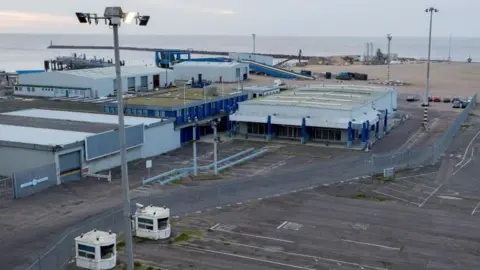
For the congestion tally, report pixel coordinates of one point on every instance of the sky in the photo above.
(244, 17)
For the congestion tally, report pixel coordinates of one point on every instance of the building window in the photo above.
(145, 223)
(257, 128)
(86, 251)
(162, 223)
(326, 134)
(107, 252)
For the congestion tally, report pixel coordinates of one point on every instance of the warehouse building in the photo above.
(185, 106)
(322, 113)
(42, 148)
(91, 83)
(212, 71)
(255, 91)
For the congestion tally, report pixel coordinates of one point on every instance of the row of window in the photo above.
(58, 91)
(327, 134)
(146, 223)
(89, 251)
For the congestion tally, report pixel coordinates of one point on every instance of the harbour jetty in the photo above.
(219, 53)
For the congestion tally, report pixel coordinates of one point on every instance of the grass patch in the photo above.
(120, 245)
(177, 182)
(186, 235)
(372, 198)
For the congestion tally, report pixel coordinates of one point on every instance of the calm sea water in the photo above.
(20, 51)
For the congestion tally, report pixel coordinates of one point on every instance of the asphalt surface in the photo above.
(311, 230)
(21, 245)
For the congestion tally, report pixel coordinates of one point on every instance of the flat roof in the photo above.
(258, 88)
(67, 125)
(91, 237)
(344, 97)
(109, 72)
(83, 117)
(176, 97)
(40, 136)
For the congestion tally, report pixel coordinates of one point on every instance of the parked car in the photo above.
(430, 99)
(457, 104)
(437, 99)
(455, 99)
(411, 98)
(447, 99)
(464, 103)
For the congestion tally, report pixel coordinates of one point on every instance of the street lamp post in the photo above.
(430, 10)
(389, 37)
(114, 16)
(254, 36)
(215, 140)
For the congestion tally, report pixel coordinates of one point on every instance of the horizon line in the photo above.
(232, 35)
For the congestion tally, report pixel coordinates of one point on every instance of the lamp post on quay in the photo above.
(114, 16)
(430, 10)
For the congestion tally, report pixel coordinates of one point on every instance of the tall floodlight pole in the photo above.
(389, 37)
(114, 16)
(430, 10)
(254, 36)
(215, 141)
(450, 49)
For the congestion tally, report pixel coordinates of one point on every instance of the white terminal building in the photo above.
(322, 113)
(92, 82)
(96, 250)
(212, 71)
(48, 147)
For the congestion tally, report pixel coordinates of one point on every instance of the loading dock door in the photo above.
(156, 81)
(144, 82)
(70, 166)
(131, 84)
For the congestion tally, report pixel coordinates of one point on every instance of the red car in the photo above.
(437, 99)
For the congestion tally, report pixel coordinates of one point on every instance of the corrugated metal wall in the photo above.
(209, 71)
(19, 159)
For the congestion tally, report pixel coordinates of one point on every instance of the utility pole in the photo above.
(389, 37)
(195, 171)
(450, 49)
(215, 140)
(114, 16)
(253, 36)
(430, 10)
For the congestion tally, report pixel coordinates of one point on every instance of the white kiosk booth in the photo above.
(96, 250)
(152, 222)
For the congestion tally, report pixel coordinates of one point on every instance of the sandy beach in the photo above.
(446, 79)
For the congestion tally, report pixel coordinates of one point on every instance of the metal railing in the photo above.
(261, 186)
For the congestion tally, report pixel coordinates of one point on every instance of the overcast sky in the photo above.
(243, 17)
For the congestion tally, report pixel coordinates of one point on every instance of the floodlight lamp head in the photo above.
(143, 20)
(113, 12)
(82, 17)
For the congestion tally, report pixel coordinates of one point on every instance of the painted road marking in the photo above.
(246, 257)
(411, 182)
(252, 235)
(370, 244)
(214, 226)
(475, 209)
(405, 193)
(281, 225)
(461, 167)
(466, 150)
(398, 185)
(414, 176)
(316, 258)
(391, 196)
(430, 195)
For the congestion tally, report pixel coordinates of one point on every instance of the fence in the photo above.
(299, 177)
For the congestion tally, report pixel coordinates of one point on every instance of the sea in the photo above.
(28, 51)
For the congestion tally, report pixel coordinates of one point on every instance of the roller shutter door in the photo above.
(70, 166)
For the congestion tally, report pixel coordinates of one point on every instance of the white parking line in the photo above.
(370, 244)
(475, 209)
(461, 167)
(418, 184)
(414, 176)
(398, 185)
(214, 226)
(391, 196)
(430, 195)
(466, 150)
(405, 193)
(339, 262)
(281, 225)
(254, 236)
(248, 258)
